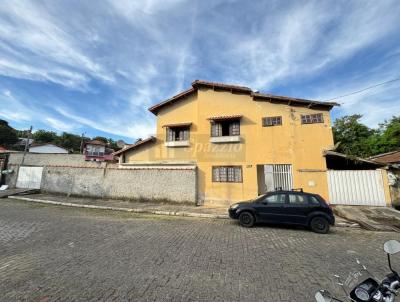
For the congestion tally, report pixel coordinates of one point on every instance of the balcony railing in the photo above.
(94, 153)
(100, 156)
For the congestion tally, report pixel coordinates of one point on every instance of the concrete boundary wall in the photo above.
(40, 159)
(74, 176)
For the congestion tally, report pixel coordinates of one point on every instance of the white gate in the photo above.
(29, 177)
(278, 177)
(356, 187)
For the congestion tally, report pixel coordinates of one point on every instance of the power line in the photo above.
(361, 90)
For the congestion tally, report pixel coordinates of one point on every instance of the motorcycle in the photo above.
(369, 290)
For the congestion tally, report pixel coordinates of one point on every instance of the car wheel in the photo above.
(246, 219)
(319, 225)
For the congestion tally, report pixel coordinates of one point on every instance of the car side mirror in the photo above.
(391, 247)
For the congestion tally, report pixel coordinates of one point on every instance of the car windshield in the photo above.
(261, 197)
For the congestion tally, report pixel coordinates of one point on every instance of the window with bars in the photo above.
(177, 134)
(271, 121)
(312, 118)
(225, 128)
(227, 174)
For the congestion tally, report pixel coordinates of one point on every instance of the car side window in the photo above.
(313, 200)
(298, 199)
(275, 199)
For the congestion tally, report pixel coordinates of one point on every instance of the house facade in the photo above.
(96, 150)
(242, 142)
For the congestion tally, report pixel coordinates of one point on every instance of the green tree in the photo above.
(113, 144)
(43, 136)
(353, 137)
(101, 138)
(8, 135)
(70, 141)
(22, 133)
(390, 135)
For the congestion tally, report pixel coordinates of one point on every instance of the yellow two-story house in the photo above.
(241, 142)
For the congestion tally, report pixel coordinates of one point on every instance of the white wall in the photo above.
(47, 149)
(71, 174)
(178, 185)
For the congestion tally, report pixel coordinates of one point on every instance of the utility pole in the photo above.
(27, 144)
(82, 142)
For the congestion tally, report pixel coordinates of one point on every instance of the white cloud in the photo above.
(119, 57)
(13, 109)
(307, 38)
(60, 125)
(42, 50)
(7, 93)
(375, 104)
(113, 126)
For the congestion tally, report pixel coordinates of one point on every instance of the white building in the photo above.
(47, 148)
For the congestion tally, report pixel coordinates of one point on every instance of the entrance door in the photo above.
(273, 177)
(29, 177)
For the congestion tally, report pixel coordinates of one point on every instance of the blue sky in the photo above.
(95, 66)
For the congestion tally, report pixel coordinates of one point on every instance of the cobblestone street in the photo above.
(67, 254)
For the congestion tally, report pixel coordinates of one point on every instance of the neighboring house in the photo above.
(392, 160)
(23, 141)
(96, 150)
(47, 148)
(243, 143)
(389, 158)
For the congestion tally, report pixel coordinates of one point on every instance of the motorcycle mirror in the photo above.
(391, 247)
(323, 296)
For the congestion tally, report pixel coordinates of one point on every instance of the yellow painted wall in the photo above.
(291, 143)
(386, 188)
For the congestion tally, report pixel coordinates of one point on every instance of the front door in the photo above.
(271, 208)
(273, 177)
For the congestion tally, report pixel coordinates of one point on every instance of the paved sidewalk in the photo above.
(205, 211)
(156, 208)
(54, 253)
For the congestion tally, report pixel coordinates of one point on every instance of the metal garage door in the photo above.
(361, 187)
(29, 177)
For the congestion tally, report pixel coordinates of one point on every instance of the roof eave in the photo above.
(221, 86)
(239, 89)
(156, 108)
(355, 158)
(138, 144)
(290, 101)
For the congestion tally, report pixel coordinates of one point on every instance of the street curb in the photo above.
(131, 210)
(142, 211)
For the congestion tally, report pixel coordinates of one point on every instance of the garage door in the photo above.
(361, 187)
(29, 177)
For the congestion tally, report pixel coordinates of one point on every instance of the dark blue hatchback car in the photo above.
(285, 207)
